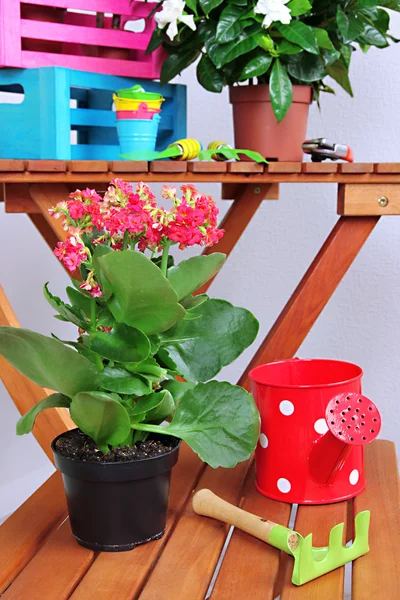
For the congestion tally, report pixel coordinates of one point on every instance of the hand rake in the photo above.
(309, 562)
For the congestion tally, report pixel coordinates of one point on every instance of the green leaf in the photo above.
(306, 67)
(229, 25)
(301, 34)
(100, 251)
(245, 42)
(25, 424)
(256, 66)
(286, 47)
(147, 403)
(115, 379)
(338, 71)
(192, 4)
(200, 348)
(323, 39)
(122, 344)
(142, 296)
(280, 89)
(176, 63)
(298, 7)
(192, 273)
(80, 300)
(209, 5)
(156, 40)
(48, 362)
(177, 388)
(265, 42)
(208, 75)
(101, 417)
(191, 302)
(219, 421)
(72, 314)
(162, 410)
(349, 25)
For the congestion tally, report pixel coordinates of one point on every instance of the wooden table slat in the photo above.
(387, 168)
(88, 166)
(165, 166)
(320, 167)
(356, 167)
(284, 167)
(26, 530)
(186, 566)
(121, 576)
(46, 166)
(376, 575)
(206, 167)
(317, 520)
(245, 167)
(12, 165)
(129, 166)
(250, 567)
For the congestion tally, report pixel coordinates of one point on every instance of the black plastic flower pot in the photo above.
(113, 507)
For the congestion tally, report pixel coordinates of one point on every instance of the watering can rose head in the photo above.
(147, 345)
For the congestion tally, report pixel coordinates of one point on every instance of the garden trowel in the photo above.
(309, 562)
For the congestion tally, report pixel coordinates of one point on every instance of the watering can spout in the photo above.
(353, 420)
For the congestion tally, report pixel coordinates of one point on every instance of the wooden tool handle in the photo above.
(209, 505)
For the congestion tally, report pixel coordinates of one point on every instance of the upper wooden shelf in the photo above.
(31, 171)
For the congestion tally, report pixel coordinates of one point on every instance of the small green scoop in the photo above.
(309, 562)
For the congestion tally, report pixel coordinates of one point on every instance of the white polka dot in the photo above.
(284, 485)
(321, 426)
(354, 477)
(286, 407)
(263, 440)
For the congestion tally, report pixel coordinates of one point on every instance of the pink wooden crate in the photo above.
(45, 33)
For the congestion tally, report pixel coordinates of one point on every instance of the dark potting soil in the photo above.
(78, 445)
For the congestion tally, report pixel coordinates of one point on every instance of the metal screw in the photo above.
(257, 190)
(383, 201)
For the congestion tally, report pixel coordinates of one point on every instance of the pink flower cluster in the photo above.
(126, 217)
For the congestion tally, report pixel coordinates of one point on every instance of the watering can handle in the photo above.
(206, 503)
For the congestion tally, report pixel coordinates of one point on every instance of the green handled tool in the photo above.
(309, 562)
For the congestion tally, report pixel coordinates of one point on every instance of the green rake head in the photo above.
(310, 562)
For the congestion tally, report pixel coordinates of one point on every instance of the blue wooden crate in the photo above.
(40, 126)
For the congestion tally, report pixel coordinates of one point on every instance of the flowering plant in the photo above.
(147, 347)
(279, 42)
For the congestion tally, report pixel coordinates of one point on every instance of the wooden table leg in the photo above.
(236, 220)
(313, 292)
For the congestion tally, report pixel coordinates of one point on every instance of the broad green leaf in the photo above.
(191, 302)
(149, 369)
(229, 24)
(147, 403)
(166, 361)
(280, 89)
(200, 348)
(301, 34)
(256, 66)
(157, 38)
(306, 67)
(208, 75)
(245, 42)
(121, 381)
(298, 7)
(219, 421)
(372, 35)
(122, 344)
(192, 4)
(25, 424)
(70, 313)
(323, 39)
(48, 362)
(101, 417)
(162, 410)
(286, 47)
(339, 72)
(177, 388)
(330, 56)
(176, 63)
(80, 300)
(142, 296)
(192, 273)
(209, 5)
(346, 50)
(349, 25)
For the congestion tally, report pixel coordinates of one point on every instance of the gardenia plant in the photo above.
(279, 42)
(147, 347)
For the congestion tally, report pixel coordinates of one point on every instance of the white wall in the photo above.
(360, 324)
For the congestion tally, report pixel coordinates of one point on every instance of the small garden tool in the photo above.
(353, 420)
(309, 562)
(320, 149)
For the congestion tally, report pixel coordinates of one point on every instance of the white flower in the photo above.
(172, 13)
(274, 10)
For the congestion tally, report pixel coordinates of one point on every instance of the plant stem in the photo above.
(126, 240)
(164, 260)
(149, 427)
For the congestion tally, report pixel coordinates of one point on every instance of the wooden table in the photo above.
(39, 560)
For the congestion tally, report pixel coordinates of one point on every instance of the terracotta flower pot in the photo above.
(255, 124)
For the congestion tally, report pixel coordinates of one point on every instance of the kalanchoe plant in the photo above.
(147, 346)
(279, 42)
